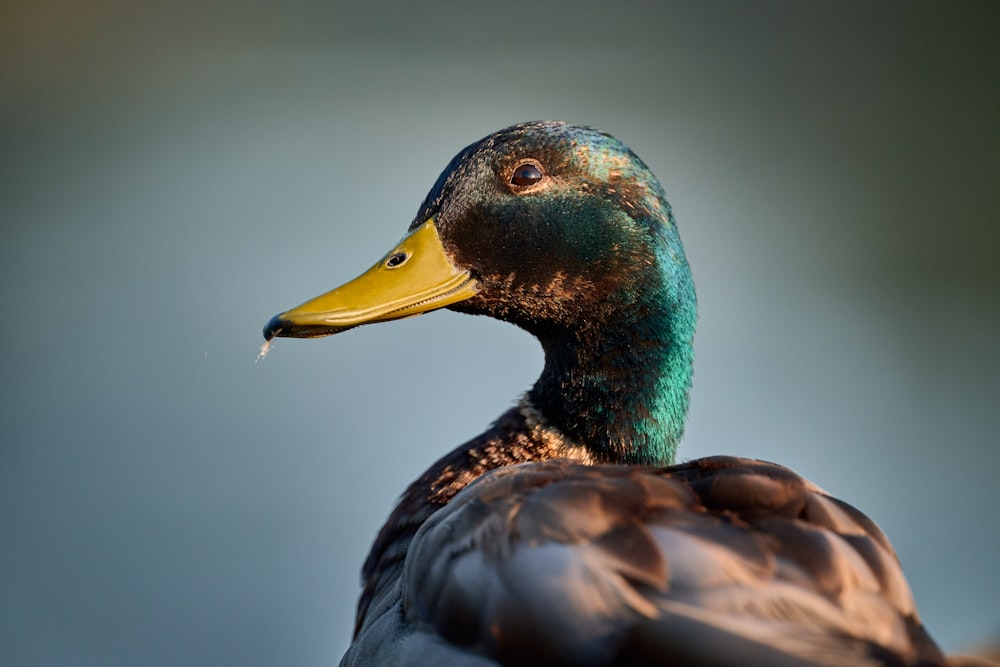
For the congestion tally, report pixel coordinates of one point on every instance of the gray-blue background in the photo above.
(175, 173)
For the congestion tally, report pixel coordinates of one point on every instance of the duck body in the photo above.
(564, 534)
(719, 561)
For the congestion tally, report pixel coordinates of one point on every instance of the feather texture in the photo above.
(719, 561)
(562, 534)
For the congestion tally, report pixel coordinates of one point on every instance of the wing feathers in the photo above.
(718, 561)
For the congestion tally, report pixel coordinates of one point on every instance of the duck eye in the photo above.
(526, 174)
(395, 260)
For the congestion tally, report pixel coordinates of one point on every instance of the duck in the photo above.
(568, 533)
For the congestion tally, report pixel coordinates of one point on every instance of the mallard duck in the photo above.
(565, 534)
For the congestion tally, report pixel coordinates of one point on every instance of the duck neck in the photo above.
(619, 383)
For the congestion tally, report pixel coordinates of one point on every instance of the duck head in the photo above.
(563, 231)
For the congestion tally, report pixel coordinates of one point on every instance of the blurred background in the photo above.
(175, 173)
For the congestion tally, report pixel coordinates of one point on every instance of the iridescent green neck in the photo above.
(620, 384)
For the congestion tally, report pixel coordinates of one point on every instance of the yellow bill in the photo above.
(413, 278)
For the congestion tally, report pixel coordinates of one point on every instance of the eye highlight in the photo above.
(526, 174)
